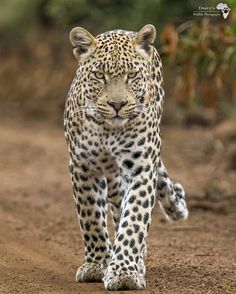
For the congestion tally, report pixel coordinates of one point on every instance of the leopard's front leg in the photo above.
(91, 202)
(124, 270)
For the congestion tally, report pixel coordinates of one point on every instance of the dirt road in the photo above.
(40, 243)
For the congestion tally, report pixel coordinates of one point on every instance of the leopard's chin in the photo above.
(117, 121)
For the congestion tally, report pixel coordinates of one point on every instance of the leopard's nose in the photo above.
(117, 105)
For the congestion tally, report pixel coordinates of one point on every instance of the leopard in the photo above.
(112, 129)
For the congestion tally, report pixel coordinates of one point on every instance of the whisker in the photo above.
(82, 110)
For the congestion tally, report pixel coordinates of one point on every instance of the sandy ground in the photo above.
(40, 243)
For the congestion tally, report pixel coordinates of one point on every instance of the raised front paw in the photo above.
(90, 272)
(126, 278)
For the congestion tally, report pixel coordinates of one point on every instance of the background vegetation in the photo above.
(199, 53)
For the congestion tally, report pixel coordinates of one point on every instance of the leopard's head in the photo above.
(115, 72)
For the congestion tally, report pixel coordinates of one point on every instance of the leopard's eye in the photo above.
(99, 75)
(132, 74)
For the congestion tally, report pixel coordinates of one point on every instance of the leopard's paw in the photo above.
(90, 272)
(123, 279)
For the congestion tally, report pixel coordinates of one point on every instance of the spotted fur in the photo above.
(111, 121)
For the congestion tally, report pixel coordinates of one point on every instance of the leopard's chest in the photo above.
(102, 149)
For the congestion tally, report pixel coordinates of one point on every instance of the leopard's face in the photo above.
(115, 71)
(117, 83)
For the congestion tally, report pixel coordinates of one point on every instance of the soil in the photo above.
(40, 242)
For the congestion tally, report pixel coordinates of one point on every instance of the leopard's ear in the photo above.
(83, 43)
(144, 40)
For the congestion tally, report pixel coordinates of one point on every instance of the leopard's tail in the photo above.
(170, 195)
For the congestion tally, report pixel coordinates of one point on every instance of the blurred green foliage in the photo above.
(204, 61)
(96, 15)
